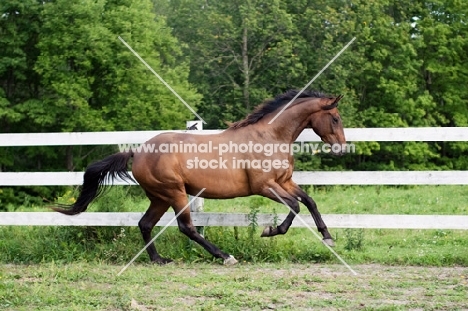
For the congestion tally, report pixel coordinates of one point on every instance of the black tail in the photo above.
(96, 174)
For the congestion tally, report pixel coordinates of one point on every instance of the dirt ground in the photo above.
(245, 286)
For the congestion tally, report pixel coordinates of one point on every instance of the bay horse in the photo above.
(255, 169)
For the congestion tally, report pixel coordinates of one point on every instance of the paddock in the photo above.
(85, 286)
(457, 222)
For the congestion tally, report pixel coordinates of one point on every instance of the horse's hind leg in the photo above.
(186, 227)
(154, 213)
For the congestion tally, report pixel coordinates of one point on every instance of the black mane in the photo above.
(273, 104)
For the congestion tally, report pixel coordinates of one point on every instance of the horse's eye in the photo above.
(335, 119)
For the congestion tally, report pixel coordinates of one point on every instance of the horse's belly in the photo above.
(219, 185)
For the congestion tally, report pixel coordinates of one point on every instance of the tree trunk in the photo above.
(245, 69)
(69, 158)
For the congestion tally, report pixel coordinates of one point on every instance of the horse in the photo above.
(250, 157)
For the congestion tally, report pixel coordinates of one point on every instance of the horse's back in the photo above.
(193, 162)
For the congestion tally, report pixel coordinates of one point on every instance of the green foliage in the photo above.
(116, 199)
(90, 81)
(406, 68)
(63, 68)
(241, 53)
(354, 239)
(13, 197)
(118, 245)
(253, 218)
(255, 204)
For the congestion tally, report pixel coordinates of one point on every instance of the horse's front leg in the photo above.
(312, 207)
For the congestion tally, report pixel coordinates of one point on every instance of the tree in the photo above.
(89, 72)
(19, 28)
(441, 27)
(240, 52)
(82, 78)
(64, 69)
(384, 73)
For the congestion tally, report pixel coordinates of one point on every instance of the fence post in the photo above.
(197, 205)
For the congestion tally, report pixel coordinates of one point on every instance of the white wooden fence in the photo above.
(220, 219)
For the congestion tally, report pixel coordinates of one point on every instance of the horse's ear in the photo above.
(334, 104)
(338, 99)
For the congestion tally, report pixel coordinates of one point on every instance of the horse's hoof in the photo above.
(163, 261)
(266, 231)
(329, 242)
(230, 261)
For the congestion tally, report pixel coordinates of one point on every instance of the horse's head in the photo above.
(327, 124)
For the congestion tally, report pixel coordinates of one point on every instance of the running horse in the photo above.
(167, 177)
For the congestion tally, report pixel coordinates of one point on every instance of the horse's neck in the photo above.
(288, 128)
(276, 132)
(291, 133)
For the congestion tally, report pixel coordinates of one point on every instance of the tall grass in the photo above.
(118, 245)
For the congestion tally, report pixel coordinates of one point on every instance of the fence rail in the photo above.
(128, 137)
(205, 219)
(301, 178)
(219, 219)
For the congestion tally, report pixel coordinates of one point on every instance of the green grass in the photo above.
(116, 245)
(415, 200)
(198, 286)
